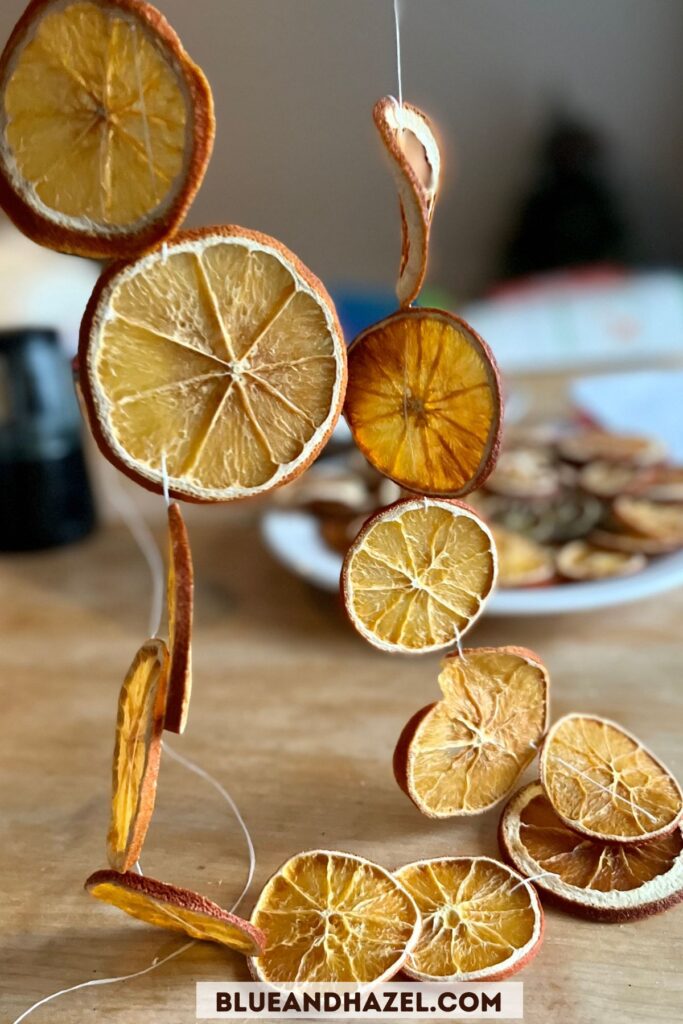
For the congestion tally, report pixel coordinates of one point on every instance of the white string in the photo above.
(616, 796)
(458, 644)
(164, 479)
(397, 25)
(533, 878)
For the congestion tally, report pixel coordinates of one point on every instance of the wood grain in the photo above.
(298, 718)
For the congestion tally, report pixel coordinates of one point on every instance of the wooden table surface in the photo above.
(298, 718)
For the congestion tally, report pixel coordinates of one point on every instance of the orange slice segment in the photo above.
(179, 910)
(418, 575)
(480, 921)
(106, 126)
(409, 140)
(580, 560)
(221, 351)
(603, 881)
(180, 599)
(333, 917)
(465, 753)
(521, 561)
(424, 403)
(137, 752)
(603, 783)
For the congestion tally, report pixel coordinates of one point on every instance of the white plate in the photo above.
(295, 540)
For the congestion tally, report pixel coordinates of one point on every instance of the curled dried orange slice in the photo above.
(180, 598)
(137, 752)
(409, 140)
(591, 445)
(658, 520)
(480, 920)
(418, 575)
(179, 910)
(465, 753)
(106, 126)
(580, 560)
(521, 561)
(591, 878)
(220, 351)
(333, 917)
(424, 403)
(602, 782)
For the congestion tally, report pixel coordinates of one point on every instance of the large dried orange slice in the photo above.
(480, 920)
(106, 126)
(219, 351)
(521, 561)
(180, 599)
(333, 917)
(602, 782)
(465, 753)
(137, 752)
(418, 574)
(409, 140)
(591, 878)
(423, 402)
(179, 910)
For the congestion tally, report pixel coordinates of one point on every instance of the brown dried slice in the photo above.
(180, 598)
(465, 753)
(580, 560)
(413, 150)
(590, 878)
(179, 910)
(521, 561)
(590, 445)
(333, 917)
(137, 752)
(663, 483)
(106, 126)
(524, 473)
(658, 520)
(603, 783)
(609, 479)
(480, 920)
(630, 542)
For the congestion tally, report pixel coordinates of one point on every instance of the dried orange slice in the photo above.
(480, 920)
(663, 483)
(521, 561)
(609, 479)
(333, 917)
(591, 878)
(180, 598)
(424, 403)
(603, 783)
(137, 752)
(525, 473)
(631, 542)
(418, 575)
(659, 520)
(106, 126)
(591, 445)
(409, 140)
(580, 560)
(465, 753)
(179, 910)
(220, 351)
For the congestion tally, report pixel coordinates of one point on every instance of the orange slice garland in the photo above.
(480, 920)
(590, 878)
(179, 910)
(106, 126)
(180, 598)
(137, 752)
(221, 351)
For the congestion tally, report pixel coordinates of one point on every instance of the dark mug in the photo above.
(45, 495)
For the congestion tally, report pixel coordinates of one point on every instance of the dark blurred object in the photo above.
(572, 216)
(45, 497)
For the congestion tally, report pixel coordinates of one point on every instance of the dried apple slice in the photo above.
(409, 140)
(591, 445)
(521, 561)
(466, 753)
(179, 910)
(480, 920)
(180, 598)
(580, 560)
(137, 752)
(589, 878)
(603, 783)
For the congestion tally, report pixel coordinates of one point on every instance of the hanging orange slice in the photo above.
(106, 126)
(591, 878)
(137, 752)
(333, 917)
(179, 910)
(603, 783)
(480, 920)
(180, 599)
(465, 753)
(220, 351)
(409, 141)
(423, 402)
(418, 575)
